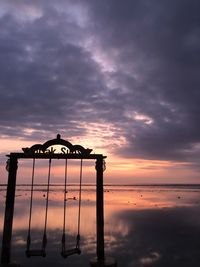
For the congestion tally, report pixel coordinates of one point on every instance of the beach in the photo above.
(144, 225)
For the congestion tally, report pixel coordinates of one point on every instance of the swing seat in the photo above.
(35, 252)
(69, 252)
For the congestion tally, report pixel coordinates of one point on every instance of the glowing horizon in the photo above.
(118, 170)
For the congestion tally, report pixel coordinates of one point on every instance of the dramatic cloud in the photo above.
(129, 69)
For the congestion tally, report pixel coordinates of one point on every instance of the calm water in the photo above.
(144, 225)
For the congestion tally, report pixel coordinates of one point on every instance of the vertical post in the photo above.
(101, 260)
(100, 209)
(9, 211)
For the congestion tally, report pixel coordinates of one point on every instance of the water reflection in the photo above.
(144, 225)
(161, 237)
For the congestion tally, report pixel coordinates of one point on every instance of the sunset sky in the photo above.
(120, 77)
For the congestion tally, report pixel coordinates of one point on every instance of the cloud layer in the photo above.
(131, 67)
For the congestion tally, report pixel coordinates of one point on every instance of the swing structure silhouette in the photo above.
(47, 151)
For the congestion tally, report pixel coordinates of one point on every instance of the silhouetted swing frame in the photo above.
(40, 151)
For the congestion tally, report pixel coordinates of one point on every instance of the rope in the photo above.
(79, 206)
(64, 216)
(44, 242)
(31, 205)
(67, 253)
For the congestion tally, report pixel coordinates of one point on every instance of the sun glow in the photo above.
(102, 137)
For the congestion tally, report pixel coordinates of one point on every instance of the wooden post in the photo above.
(100, 260)
(100, 209)
(9, 212)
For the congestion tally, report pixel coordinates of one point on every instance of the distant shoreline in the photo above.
(108, 184)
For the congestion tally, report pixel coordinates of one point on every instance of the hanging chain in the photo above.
(64, 216)
(79, 205)
(44, 241)
(65, 197)
(28, 242)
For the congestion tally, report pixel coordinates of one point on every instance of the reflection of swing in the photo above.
(42, 251)
(68, 252)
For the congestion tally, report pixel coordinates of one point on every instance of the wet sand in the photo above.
(144, 225)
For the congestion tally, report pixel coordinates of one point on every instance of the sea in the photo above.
(144, 225)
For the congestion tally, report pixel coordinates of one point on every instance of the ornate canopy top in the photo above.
(47, 147)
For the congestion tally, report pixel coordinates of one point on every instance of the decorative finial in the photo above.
(58, 136)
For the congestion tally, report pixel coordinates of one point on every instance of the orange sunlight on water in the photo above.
(125, 209)
(116, 199)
